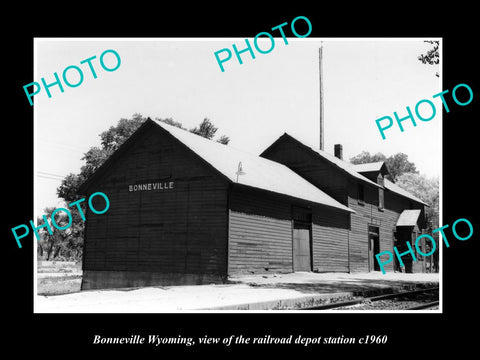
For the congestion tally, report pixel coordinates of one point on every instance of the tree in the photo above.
(172, 122)
(64, 244)
(397, 164)
(426, 189)
(111, 140)
(364, 158)
(208, 130)
(205, 129)
(432, 56)
(68, 189)
(116, 135)
(224, 140)
(96, 156)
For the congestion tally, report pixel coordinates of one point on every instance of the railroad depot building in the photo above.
(188, 210)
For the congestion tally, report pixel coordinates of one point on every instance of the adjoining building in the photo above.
(188, 210)
(383, 216)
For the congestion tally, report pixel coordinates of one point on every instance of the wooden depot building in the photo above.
(188, 210)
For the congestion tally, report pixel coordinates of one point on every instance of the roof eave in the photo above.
(340, 208)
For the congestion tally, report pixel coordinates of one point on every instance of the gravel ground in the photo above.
(384, 305)
(399, 303)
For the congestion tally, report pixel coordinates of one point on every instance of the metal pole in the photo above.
(320, 55)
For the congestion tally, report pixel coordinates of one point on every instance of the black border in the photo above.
(408, 334)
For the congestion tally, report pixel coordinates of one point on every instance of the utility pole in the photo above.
(320, 55)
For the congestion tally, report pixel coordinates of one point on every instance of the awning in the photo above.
(408, 218)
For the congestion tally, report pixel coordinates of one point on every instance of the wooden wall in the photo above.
(369, 214)
(343, 188)
(260, 235)
(330, 239)
(181, 230)
(260, 238)
(311, 167)
(366, 213)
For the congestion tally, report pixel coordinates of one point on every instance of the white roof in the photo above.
(259, 172)
(374, 166)
(397, 189)
(408, 218)
(346, 166)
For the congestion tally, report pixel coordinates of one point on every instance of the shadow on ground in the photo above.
(359, 287)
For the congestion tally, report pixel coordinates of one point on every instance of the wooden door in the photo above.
(302, 260)
(373, 248)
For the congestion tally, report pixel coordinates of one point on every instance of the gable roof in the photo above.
(397, 189)
(354, 170)
(342, 165)
(368, 167)
(258, 172)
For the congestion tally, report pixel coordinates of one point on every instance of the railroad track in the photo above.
(429, 305)
(408, 300)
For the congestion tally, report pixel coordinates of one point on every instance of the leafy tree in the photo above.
(208, 130)
(63, 244)
(397, 164)
(365, 157)
(172, 122)
(95, 157)
(116, 135)
(426, 189)
(224, 140)
(111, 140)
(205, 129)
(69, 187)
(432, 56)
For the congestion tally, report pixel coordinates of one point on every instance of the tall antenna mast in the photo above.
(320, 55)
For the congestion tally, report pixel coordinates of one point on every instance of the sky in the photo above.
(253, 103)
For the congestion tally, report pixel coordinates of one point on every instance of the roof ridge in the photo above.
(259, 172)
(347, 166)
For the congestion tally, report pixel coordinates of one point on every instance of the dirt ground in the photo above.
(58, 277)
(58, 289)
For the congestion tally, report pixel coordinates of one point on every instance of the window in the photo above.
(381, 193)
(381, 201)
(360, 194)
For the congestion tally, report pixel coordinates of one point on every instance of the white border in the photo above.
(306, 312)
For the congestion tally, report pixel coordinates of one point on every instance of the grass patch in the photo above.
(66, 278)
(59, 285)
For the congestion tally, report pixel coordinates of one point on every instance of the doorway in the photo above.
(373, 248)
(302, 238)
